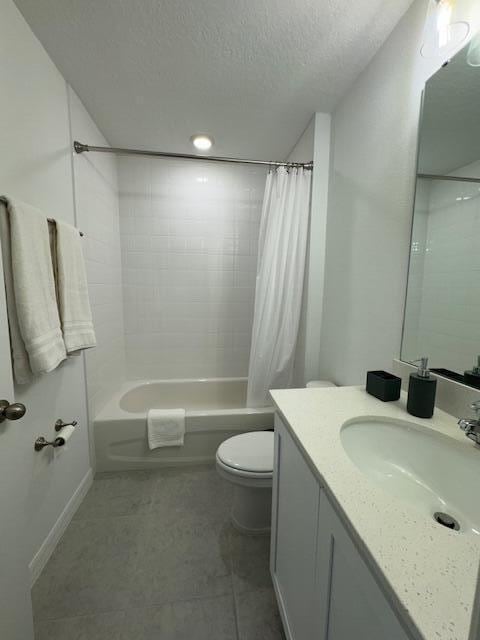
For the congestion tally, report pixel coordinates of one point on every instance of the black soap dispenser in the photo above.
(421, 392)
(473, 377)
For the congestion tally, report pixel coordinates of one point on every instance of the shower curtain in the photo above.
(280, 274)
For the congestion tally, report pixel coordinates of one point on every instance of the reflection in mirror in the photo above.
(442, 309)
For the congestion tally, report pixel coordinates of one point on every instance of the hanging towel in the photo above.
(74, 304)
(20, 363)
(36, 337)
(166, 427)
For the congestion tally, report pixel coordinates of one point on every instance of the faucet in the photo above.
(471, 426)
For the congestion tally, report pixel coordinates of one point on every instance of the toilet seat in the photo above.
(248, 455)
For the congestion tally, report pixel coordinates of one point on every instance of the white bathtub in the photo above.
(215, 410)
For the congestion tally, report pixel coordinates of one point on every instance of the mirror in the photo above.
(442, 311)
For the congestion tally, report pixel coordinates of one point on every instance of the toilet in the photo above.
(246, 461)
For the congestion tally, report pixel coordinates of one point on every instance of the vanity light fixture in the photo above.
(443, 33)
(202, 141)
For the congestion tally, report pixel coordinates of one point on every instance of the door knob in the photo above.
(13, 411)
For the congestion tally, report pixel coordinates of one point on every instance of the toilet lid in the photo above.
(248, 451)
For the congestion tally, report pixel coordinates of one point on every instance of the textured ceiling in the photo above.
(250, 72)
(450, 129)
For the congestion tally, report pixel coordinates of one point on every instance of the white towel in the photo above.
(36, 337)
(21, 366)
(74, 304)
(166, 427)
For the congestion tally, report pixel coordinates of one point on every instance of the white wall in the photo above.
(314, 144)
(371, 196)
(96, 198)
(303, 152)
(304, 148)
(36, 166)
(189, 251)
(317, 245)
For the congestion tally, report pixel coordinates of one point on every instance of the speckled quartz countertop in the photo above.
(428, 572)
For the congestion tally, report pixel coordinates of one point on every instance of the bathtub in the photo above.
(215, 410)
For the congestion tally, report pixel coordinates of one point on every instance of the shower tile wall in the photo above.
(189, 250)
(448, 323)
(442, 310)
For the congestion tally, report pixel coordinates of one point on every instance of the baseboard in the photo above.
(47, 547)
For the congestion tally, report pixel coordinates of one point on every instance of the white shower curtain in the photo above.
(280, 274)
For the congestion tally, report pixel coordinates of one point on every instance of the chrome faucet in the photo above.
(471, 426)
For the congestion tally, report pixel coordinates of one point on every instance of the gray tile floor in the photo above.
(152, 556)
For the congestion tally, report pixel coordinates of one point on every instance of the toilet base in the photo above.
(251, 511)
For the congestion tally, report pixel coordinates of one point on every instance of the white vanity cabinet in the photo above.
(325, 590)
(296, 500)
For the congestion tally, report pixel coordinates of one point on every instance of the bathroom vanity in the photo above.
(356, 552)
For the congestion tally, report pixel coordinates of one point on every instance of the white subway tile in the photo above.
(189, 238)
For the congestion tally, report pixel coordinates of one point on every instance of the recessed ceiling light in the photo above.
(201, 141)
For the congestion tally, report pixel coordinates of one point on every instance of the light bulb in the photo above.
(202, 142)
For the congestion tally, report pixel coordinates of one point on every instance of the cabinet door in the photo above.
(294, 536)
(356, 606)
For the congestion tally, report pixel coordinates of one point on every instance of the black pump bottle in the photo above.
(421, 392)
(472, 377)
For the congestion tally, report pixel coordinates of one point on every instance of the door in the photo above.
(15, 606)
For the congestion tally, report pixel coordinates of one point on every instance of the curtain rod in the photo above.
(433, 176)
(82, 148)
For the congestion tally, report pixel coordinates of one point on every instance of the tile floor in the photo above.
(152, 556)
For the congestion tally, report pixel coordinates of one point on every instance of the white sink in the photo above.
(433, 472)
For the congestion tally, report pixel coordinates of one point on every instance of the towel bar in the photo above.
(52, 220)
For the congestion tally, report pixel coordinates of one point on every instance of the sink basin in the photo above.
(434, 473)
